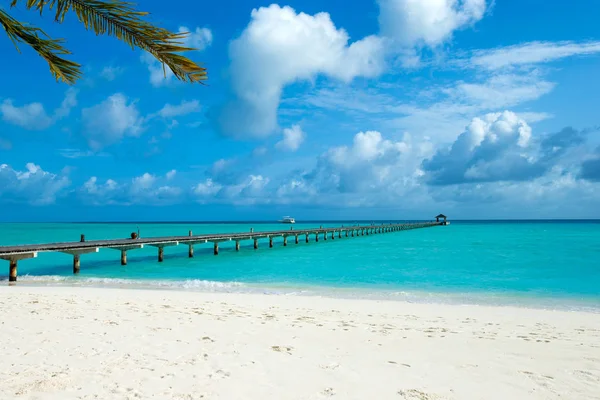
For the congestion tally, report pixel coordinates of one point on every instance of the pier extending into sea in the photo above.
(14, 254)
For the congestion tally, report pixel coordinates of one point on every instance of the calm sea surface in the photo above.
(548, 264)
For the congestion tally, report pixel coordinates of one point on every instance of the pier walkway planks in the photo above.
(15, 253)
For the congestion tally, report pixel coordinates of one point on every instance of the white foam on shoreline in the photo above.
(481, 299)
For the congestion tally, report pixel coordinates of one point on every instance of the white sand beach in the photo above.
(85, 343)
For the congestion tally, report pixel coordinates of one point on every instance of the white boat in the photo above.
(288, 220)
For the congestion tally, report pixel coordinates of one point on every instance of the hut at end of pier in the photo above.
(443, 218)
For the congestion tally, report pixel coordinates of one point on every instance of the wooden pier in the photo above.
(14, 254)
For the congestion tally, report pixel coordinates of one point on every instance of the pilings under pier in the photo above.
(161, 248)
(13, 260)
(76, 253)
(13, 254)
(124, 249)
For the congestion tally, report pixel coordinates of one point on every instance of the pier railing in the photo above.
(13, 254)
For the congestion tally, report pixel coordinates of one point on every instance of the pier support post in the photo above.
(76, 263)
(333, 235)
(12, 271)
(161, 248)
(324, 235)
(255, 244)
(191, 251)
(216, 248)
(270, 242)
(13, 259)
(339, 234)
(237, 245)
(296, 239)
(76, 253)
(316, 237)
(307, 238)
(285, 240)
(123, 257)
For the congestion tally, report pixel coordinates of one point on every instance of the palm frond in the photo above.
(49, 49)
(121, 20)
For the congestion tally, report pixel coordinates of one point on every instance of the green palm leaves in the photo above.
(104, 17)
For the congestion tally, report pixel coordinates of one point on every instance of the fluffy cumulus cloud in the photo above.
(199, 39)
(292, 139)
(499, 147)
(280, 46)
(32, 185)
(33, 116)
(427, 22)
(373, 170)
(251, 189)
(111, 120)
(144, 189)
(368, 164)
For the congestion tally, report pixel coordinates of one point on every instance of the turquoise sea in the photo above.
(550, 264)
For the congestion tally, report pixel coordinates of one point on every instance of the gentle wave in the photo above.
(417, 297)
(184, 284)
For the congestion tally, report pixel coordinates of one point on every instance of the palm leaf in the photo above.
(121, 20)
(49, 49)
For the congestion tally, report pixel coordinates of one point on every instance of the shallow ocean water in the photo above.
(552, 264)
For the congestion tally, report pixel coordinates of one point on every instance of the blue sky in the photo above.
(372, 109)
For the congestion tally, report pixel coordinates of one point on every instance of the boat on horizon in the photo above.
(288, 220)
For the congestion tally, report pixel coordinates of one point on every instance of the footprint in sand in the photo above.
(331, 366)
(282, 349)
(542, 380)
(414, 394)
(219, 374)
(587, 375)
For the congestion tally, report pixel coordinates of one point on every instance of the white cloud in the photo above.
(141, 183)
(100, 193)
(251, 189)
(171, 174)
(33, 116)
(185, 107)
(144, 189)
(529, 53)
(110, 73)
(493, 148)
(108, 122)
(372, 163)
(200, 39)
(292, 139)
(501, 91)
(427, 22)
(206, 189)
(280, 46)
(33, 185)
(76, 153)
